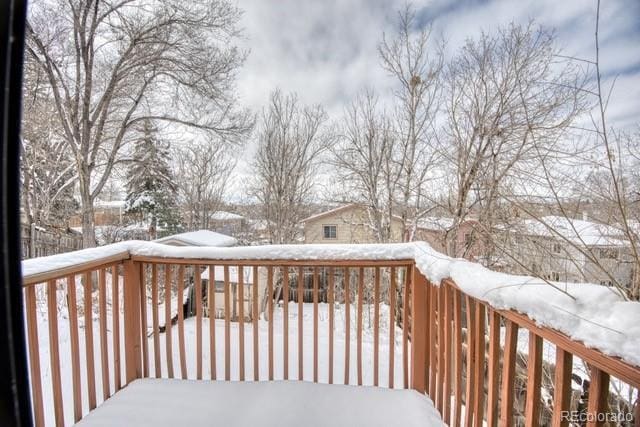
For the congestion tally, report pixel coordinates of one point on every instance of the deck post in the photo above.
(132, 320)
(418, 325)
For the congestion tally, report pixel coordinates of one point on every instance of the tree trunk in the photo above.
(88, 222)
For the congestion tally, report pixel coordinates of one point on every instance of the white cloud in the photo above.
(326, 51)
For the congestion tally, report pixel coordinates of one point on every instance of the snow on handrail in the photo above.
(595, 315)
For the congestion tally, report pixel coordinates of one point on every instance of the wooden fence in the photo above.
(37, 242)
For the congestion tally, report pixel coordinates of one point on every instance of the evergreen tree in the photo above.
(151, 191)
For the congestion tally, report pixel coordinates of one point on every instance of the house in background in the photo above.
(228, 223)
(110, 212)
(349, 224)
(345, 224)
(198, 238)
(569, 250)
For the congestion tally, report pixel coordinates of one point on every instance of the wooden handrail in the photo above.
(445, 330)
(57, 273)
(613, 365)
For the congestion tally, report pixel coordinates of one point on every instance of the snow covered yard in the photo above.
(190, 347)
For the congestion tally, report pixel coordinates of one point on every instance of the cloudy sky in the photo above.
(325, 50)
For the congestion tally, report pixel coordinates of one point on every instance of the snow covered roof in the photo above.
(224, 216)
(435, 223)
(198, 238)
(577, 231)
(110, 204)
(330, 212)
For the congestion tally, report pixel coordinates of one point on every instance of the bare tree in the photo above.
(290, 141)
(508, 101)
(47, 169)
(112, 64)
(364, 160)
(602, 177)
(416, 66)
(202, 173)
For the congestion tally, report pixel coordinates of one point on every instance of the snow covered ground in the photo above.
(190, 343)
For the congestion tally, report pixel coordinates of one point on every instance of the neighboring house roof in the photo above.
(435, 223)
(199, 238)
(225, 216)
(577, 231)
(110, 204)
(330, 212)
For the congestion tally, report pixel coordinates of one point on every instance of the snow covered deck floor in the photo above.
(173, 402)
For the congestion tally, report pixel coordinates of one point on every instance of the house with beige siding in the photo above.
(350, 224)
(345, 224)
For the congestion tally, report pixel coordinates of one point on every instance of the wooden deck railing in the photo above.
(434, 339)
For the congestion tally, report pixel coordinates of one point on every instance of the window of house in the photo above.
(330, 231)
(557, 248)
(555, 276)
(608, 253)
(606, 283)
(467, 238)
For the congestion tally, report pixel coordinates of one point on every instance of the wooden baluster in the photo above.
(197, 279)
(376, 326)
(432, 335)
(270, 308)
(34, 356)
(405, 329)
(534, 377)
(331, 320)
(494, 368)
(167, 319)
(115, 318)
(478, 377)
(132, 309)
(183, 359)
(155, 320)
(254, 319)
(227, 326)
(470, 357)
(54, 351)
(300, 297)
(104, 351)
(359, 324)
(418, 324)
(598, 397)
(392, 325)
(562, 387)
(508, 373)
(457, 360)
(440, 365)
(211, 300)
(88, 338)
(347, 323)
(285, 322)
(143, 318)
(448, 358)
(75, 348)
(315, 324)
(241, 321)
